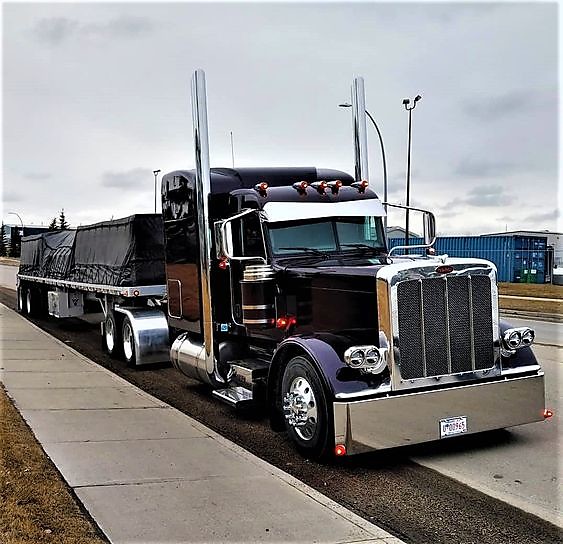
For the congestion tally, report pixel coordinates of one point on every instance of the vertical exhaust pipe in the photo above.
(360, 130)
(203, 190)
(197, 359)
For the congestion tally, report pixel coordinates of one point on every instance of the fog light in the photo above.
(512, 338)
(528, 337)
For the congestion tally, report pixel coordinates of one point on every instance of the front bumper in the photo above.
(411, 418)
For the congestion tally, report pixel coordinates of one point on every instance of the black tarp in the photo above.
(123, 252)
(47, 255)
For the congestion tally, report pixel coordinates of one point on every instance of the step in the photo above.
(248, 371)
(236, 396)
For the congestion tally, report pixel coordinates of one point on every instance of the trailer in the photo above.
(117, 265)
(283, 295)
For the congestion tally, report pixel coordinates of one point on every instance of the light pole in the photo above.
(347, 105)
(155, 172)
(18, 216)
(406, 103)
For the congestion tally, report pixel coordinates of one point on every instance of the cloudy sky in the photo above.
(96, 96)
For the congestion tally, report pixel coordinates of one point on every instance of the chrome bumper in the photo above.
(411, 418)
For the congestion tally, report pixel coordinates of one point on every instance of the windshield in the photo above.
(330, 234)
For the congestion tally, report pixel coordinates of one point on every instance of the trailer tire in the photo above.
(112, 335)
(128, 343)
(303, 396)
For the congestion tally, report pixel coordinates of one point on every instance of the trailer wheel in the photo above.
(30, 301)
(21, 300)
(305, 408)
(128, 343)
(112, 335)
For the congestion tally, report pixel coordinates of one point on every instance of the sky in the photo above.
(97, 95)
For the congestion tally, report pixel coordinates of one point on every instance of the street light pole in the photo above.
(347, 105)
(155, 172)
(406, 103)
(18, 216)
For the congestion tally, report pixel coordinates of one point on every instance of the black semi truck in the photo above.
(281, 294)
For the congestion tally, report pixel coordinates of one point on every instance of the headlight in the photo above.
(368, 358)
(518, 338)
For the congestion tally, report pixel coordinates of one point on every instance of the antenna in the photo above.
(232, 150)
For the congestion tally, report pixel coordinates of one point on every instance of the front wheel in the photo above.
(128, 338)
(305, 408)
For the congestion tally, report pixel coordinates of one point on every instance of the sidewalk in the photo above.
(148, 473)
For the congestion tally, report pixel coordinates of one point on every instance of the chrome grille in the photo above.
(445, 326)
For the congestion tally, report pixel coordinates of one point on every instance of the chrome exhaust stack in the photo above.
(193, 358)
(360, 130)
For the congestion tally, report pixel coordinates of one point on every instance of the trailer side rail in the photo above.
(133, 292)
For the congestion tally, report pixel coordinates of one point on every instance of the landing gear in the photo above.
(305, 408)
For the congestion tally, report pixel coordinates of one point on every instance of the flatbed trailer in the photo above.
(118, 265)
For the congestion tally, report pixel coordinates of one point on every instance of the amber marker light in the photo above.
(261, 188)
(547, 413)
(361, 185)
(340, 450)
(301, 186)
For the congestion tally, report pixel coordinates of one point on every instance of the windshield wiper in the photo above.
(311, 249)
(362, 246)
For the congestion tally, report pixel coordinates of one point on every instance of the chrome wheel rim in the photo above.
(28, 302)
(20, 300)
(110, 334)
(300, 408)
(127, 341)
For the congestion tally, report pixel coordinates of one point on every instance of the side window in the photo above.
(253, 242)
(247, 237)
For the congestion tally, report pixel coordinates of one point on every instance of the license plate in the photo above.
(452, 426)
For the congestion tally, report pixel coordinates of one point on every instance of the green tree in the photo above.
(53, 224)
(63, 225)
(3, 241)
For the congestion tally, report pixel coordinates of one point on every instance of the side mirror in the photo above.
(224, 239)
(429, 223)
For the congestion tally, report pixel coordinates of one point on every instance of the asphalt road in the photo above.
(416, 503)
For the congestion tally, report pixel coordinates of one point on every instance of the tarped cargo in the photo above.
(48, 254)
(123, 253)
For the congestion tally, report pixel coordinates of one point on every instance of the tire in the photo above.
(304, 397)
(128, 343)
(112, 335)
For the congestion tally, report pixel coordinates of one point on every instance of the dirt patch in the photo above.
(37, 506)
(541, 290)
(9, 261)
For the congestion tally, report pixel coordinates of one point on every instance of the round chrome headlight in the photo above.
(373, 357)
(528, 336)
(513, 339)
(357, 358)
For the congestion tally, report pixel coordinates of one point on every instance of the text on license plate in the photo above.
(452, 426)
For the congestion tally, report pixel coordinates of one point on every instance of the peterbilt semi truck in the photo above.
(282, 294)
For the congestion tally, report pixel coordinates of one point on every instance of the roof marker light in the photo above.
(340, 450)
(320, 186)
(301, 186)
(360, 185)
(261, 187)
(335, 185)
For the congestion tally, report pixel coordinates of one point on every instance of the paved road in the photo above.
(417, 504)
(521, 465)
(8, 276)
(547, 332)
